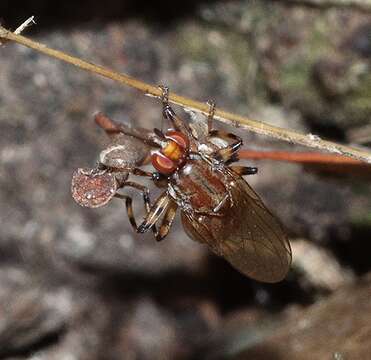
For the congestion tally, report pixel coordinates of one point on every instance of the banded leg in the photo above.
(160, 206)
(168, 205)
(167, 221)
(169, 113)
(128, 202)
(140, 172)
(129, 209)
(228, 154)
(210, 116)
(154, 176)
(142, 189)
(244, 170)
(122, 176)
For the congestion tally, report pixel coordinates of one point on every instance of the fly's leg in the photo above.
(167, 221)
(244, 170)
(210, 116)
(155, 176)
(140, 172)
(168, 113)
(160, 206)
(128, 202)
(227, 154)
(129, 209)
(142, 189)
(163, 203)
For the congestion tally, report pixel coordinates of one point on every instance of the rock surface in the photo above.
(335, 328)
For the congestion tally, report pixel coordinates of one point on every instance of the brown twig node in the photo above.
(229, 118)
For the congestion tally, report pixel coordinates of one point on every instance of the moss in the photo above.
(363, 220)
(360, 99)
(296, 72)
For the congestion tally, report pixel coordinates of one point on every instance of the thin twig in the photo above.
(229, 118)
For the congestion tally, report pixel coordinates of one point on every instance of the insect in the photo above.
(195, 169)
(218, 208)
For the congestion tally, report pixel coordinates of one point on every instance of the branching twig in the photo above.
(221, 115)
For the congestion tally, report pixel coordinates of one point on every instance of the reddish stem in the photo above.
(298, 157)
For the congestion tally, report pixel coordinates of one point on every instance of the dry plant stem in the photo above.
(221, 115)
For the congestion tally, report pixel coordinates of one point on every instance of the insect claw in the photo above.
(142, 228)
(211, 104)
(156, 176)
(100, 166)
(164, 95)
(167, 111)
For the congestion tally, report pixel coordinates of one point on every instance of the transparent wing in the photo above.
(248, 235)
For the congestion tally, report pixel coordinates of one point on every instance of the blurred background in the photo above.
(76, 283)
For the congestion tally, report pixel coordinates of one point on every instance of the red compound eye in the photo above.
(179, 138)
(172, 154)
(163, 164)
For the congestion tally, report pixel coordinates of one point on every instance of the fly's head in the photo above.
(173, 153)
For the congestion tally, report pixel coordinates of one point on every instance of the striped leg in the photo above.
(157, 178)
(140, 172)
(151, 218)
(158, 208)
(167, 221)
(210, 116)
(228, 154)
(142, 189)
(129, 206)
(129, 209)
(169, 113)
(244, 170)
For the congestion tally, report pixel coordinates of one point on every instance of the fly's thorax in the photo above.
(204, 189)
(181, 199)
